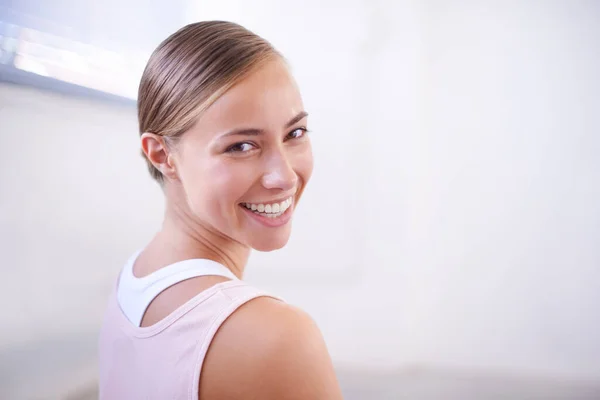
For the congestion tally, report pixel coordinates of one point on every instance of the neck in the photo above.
(183, 237)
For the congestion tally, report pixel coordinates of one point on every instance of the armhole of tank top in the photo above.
(204, 345)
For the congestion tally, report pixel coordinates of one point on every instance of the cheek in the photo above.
(304, 163)
(215, 187)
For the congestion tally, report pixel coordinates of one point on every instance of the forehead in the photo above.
(267, 98)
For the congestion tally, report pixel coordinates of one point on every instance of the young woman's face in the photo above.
(245, 163)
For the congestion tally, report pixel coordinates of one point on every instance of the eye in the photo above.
(242, 147)
(296, 133)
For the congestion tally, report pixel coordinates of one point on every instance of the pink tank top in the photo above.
(163, 361)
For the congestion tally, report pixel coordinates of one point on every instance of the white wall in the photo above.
(491, 258)
(454, 215)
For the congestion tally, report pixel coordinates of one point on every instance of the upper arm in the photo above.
(268, 350)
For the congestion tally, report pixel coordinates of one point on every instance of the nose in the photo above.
(279, 174)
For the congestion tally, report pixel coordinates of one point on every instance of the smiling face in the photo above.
(244, 164)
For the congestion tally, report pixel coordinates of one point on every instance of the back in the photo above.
(164, 361)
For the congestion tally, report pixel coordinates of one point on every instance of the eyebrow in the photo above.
(256, 132)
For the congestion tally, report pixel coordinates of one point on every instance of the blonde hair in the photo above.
(190, 70)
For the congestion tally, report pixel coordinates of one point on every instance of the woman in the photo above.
(223, 130)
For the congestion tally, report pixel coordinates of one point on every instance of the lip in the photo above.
(271, 222)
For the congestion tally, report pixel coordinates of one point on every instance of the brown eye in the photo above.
(240, 147)
(296, 133)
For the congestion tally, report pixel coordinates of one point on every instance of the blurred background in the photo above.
(448, 245)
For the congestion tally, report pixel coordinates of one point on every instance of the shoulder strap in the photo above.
(135, 294)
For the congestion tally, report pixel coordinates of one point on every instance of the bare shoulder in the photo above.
(268, 350)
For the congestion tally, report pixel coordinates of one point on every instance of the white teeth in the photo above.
(270, 210)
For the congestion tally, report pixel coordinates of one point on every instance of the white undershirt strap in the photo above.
(135, 294)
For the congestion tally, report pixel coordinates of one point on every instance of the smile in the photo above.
(272, 210)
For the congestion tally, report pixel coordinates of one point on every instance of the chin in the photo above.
(269, 244)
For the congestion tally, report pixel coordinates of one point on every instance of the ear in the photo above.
(156, 150)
